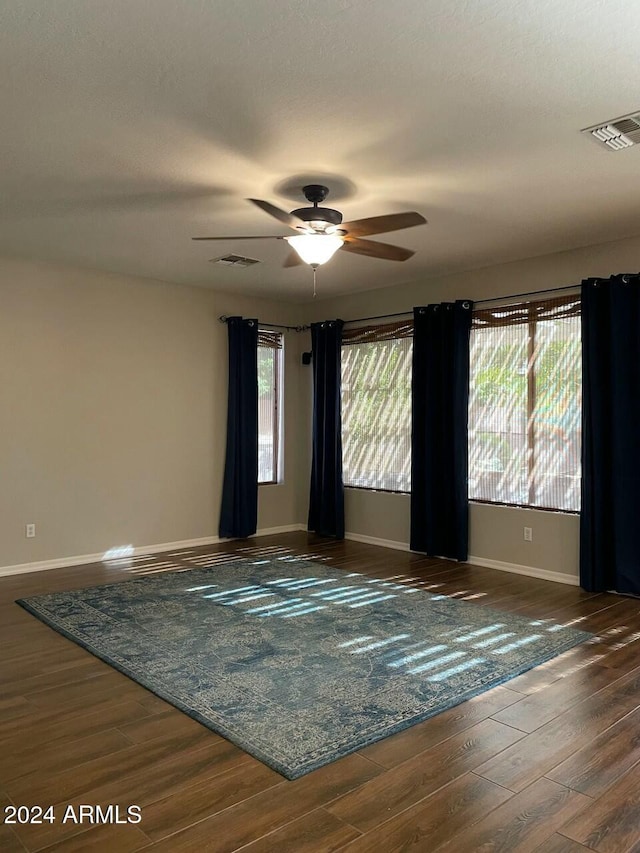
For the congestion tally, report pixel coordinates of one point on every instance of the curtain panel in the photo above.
(439, 461)
(326, 494)
(609, 552)
(239, 510)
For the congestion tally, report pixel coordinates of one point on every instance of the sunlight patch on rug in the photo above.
(296, 662)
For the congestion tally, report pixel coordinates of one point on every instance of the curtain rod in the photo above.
(223, 319)
(478, 302)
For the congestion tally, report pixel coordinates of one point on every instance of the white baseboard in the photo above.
(285, 528)
(528, 571)
(44, 565)
(374, 540)
(141, 550)
(138, 550)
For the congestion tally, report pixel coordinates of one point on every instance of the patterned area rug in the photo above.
(294, 661)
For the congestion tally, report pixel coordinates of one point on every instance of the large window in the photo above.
(270, 348)
(525, 405)
(376, 407)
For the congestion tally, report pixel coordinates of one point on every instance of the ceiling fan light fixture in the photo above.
(315, 249)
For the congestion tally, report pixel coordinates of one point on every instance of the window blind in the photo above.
(525, 404)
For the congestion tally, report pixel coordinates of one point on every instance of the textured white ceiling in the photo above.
(127, 126)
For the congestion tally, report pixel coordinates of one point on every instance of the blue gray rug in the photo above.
(296, 662)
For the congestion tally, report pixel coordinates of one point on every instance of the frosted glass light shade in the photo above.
(315, 249)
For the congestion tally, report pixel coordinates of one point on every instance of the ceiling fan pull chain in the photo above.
(314, 280)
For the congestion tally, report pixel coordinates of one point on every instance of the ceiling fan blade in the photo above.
(373, 249)
(382, 224)
(278, 213)
(293, 259)
(260, 237)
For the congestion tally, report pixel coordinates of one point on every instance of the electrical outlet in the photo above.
(528, 534)
(30, 531)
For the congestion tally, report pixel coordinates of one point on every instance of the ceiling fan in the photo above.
(321, 231)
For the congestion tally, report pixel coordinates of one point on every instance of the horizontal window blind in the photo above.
(270, 340)
(376, 406)
(525, 404)
(375, 334)
(269, 355)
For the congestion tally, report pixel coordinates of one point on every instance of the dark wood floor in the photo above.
(548, 762)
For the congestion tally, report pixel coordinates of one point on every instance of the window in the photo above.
(376, 407)
(525, 405)
(270, 349)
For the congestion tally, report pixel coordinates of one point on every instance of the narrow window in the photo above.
(376, 407)
(270, 350)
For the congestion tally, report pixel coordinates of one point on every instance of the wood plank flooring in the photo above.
(548, 762)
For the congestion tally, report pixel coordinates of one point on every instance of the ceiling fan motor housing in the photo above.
(317, 217)
(321, 215)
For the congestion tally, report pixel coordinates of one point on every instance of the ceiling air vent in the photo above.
(618, 133)
(234, 261)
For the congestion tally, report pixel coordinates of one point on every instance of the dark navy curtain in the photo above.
(326, 498)
(439, 464)
(610, 517)
(239, 510)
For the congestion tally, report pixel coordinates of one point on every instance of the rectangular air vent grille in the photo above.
(618, 133)
(234, 261)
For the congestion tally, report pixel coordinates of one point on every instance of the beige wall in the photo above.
(496, 533)
(113, 414)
